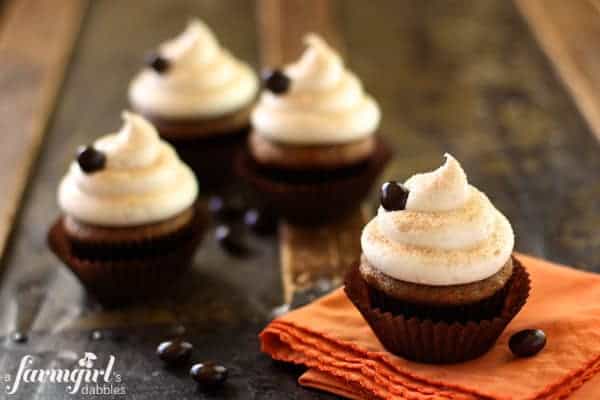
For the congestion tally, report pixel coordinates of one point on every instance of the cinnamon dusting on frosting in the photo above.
(449, 234)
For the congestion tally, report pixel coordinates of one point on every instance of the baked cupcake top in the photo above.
(192, 77)
(324, 103)
(127, 178)
(446, 233)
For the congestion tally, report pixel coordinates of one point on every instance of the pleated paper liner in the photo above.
(131, 249)
(313, 198)
(425, 340)
(116, 281)
(212, 158)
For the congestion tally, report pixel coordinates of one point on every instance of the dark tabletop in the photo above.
(463, 77)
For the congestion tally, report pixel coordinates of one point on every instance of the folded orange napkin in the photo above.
(344, 357)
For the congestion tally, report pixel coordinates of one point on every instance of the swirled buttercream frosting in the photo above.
(325, 104)
(203, 80)
(448, 234)
(143, 181)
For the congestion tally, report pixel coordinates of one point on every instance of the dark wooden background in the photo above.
(464, 77)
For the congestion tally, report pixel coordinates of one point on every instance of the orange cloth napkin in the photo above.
(344, 357)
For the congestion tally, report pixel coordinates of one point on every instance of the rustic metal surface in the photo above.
(464, 77)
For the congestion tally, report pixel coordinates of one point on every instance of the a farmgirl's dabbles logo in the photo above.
(83, 378)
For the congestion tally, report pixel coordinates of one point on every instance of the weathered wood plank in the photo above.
(568, 32)
(307, 253)
(311, 253)
(34, 50)
(282, 24)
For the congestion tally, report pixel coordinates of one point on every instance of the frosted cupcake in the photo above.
(129, 225)
(314, 137)
(437, 266)
(199, 98)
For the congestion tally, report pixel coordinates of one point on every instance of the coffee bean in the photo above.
(115, 336)
(18, 337)
(90, 160)
(261, 222)
(393, 196)
(216, 206)
(209, 373)
(157, 63)
(230, 240)
(97, 335)
(276, 81)
(225, 209)
(174, 351)
(527, 343)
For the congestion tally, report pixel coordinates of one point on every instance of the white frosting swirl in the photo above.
(449, 234)
(143, 181)
(202, 81)
(325, 104)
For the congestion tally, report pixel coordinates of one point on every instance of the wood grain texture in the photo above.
(307, 253)
(34, 50)
(569, 32)
(312, 253)
(283, 24)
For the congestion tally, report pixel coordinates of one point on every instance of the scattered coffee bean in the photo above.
(230, 240)
(216, 206)
(90, 160)
(157, 63)
(527, 343)
(261, 222)
(225, 209)
(394, 196)
(276, 81)
(209, 374)
(174, 352)
(18, 337)
(110, 335)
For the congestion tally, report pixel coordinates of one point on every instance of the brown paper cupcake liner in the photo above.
(313, 198)
(437, 342)
(212, 158)
(129, 250)
(115, 280)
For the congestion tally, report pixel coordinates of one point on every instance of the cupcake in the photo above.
(437, 281)
(129, 225)
(313, 152)
(199, 98)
